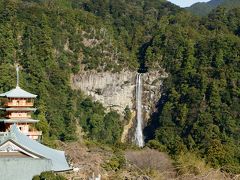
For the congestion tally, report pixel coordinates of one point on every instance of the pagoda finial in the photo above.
(17, 70)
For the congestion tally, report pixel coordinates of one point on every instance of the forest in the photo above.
(204, 8)
(199, 108)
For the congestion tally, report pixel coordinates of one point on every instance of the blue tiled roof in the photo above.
(19, 120)
(57, 157)
(18, 93)
(19, 109)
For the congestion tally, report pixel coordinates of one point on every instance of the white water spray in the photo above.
(139, 134)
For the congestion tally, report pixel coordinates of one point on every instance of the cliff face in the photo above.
(113, 90)
(116, 91)
(152, 86)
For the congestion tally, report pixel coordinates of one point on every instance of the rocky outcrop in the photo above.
(116, 91)
(152, 90)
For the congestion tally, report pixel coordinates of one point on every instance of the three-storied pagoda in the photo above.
(18, 107)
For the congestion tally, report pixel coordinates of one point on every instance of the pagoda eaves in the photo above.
(11, 121)
(18, 93)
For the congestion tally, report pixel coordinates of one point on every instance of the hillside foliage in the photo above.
(199, 111)
(204, 8)
(199, 108)
(50, 41)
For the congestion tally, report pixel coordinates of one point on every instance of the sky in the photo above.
(186, 3)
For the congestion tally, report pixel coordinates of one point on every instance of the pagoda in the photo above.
(18, 107)
(21, 156)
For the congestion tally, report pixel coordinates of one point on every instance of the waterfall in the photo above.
(139, 134)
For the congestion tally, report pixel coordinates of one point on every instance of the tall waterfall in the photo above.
(139, 134)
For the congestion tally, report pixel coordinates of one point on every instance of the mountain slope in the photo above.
(202, 9)
(53, 39)
(51, 42)
(199, 108)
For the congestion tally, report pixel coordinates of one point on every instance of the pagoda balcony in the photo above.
(18, 104)
(18, 116)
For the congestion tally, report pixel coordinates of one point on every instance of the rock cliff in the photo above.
(116, 91)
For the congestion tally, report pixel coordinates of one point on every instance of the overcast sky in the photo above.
(186, 3)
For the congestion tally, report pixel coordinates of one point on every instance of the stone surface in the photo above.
(152, 90)
(117, 90)
(114, 90)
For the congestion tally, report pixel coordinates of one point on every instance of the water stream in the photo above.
(139, 134)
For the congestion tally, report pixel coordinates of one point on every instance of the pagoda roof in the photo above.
(18, 121)
(57, 157)
(18, 109)
(18, 93)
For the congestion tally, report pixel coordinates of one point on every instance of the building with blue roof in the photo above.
(22, 156)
